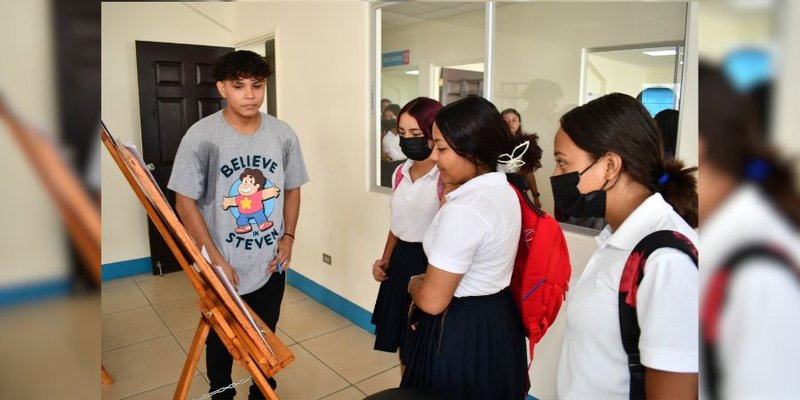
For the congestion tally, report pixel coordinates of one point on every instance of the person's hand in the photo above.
(379, 270)
(284, 256)
(230, 273)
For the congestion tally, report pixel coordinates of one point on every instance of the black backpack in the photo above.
(714, 301)
(632, 275)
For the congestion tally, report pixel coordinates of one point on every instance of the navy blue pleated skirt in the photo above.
(391, 307)
(473, 350)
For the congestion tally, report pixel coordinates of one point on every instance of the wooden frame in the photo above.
(79, 211)
(263, 358)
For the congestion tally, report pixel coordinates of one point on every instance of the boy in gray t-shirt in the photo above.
(237, 178)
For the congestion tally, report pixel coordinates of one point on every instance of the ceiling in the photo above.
(396, 15)
(636, 57)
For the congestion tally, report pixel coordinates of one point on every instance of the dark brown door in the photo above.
(175, 91)
(459, 83)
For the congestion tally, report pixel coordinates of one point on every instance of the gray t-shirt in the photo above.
(232, 177)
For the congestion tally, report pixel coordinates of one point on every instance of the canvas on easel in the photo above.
(248, 339)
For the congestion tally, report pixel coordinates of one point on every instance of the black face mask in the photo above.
(415, 148)
(387, 124)
(574, 203)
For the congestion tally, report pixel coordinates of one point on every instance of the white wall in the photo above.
(323, 63)
(32, 225)
(399, 87)
(625, 77)
(124, 219)
(449, 41)
(545, 365)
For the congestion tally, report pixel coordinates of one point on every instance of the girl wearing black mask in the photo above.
(416, 192)
(466, 339)
(610, 164)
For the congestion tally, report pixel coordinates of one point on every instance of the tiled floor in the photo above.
(148, 324)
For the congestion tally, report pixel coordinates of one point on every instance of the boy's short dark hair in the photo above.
(240, 64)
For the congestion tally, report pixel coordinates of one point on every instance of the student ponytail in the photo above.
(733, 142)
(678, 186)
(619, 123)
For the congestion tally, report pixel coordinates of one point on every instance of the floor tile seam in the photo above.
(167, 325)
(137, 343)
(322, 334)
(194, 294)
(370, 377)
(186, 353)
(122, 311)
(157, 388)
(339, 391)
(147, 391)
(293, 301)
(329, 367)
(148, 298)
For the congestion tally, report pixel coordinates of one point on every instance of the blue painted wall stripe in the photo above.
(29, 292)
(126, 268)
(342, 306)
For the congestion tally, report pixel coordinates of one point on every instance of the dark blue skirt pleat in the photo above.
(474, 350)
(391, 307)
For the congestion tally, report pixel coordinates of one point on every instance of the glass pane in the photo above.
(550, 57)
(647, 73)
(426, 49)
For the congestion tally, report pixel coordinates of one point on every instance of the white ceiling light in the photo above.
(657, 53)
(413, 72)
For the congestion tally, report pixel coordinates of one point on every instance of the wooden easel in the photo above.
(262, 358)
(80, 213)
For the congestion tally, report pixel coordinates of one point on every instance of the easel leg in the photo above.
(191, 359)
(105, 377)
(260, 380)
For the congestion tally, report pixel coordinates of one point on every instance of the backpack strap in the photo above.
(398, 176)
(632, 275)
(714, 301)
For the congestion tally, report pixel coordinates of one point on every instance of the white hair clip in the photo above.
(511, 163)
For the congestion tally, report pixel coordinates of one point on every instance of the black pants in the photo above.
(266, 302)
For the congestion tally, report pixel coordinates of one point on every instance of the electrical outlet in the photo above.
(326, 258)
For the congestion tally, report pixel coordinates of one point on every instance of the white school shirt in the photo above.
(476, 233)
(414, 204)
(593, 363)
(758, 347)
(391, 146)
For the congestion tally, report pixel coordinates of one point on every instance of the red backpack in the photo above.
(540, 280)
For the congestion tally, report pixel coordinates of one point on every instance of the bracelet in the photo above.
(420, 276)
(289, 235)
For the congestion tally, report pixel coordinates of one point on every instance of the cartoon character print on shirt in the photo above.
(251, 201)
